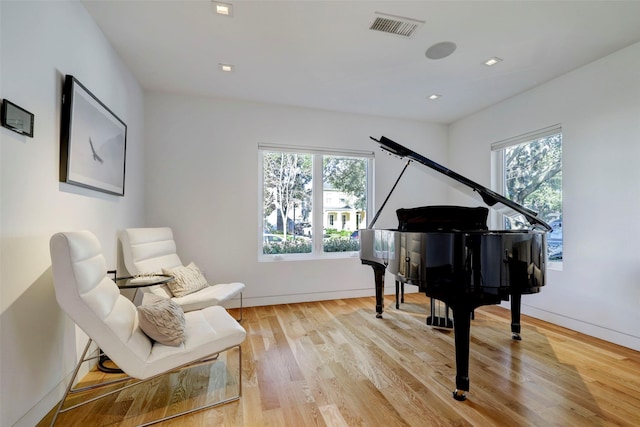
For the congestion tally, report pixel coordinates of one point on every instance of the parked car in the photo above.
(303, 229)
(554, 240)
(555, 235)
(272, 238)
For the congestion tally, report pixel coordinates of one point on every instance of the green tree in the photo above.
(533, 175)
(349, 176)
(286, 179)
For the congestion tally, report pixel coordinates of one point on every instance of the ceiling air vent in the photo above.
(397, 25)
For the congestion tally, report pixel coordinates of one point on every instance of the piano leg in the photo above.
(461, 330)
(516, 299)
(378, 271)
(399, 293)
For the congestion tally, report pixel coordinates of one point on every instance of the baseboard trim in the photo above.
(583, 327)
(257, 301)
(52, 399)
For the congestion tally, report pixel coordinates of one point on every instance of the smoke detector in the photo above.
(397, 25)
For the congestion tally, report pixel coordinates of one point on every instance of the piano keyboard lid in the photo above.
(490, 197)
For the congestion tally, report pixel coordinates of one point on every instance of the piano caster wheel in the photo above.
(378, 315)
(516, 336)
(459, 395)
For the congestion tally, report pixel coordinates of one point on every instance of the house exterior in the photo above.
(339, 212)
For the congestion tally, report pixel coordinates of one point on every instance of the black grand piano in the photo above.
(452, 256)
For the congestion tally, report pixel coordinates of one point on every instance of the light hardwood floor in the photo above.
(332, 363)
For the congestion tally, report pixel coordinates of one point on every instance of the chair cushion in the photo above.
(148, 250)
(162, 320)
(210, 330)
(187, 280)
(211, 295)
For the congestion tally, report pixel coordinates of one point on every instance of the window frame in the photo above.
(498, 179)
(317, 213)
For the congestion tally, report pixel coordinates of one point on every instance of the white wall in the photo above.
(202, 180)
(598, 290)
(41, 42)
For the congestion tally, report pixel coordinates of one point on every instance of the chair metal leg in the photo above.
(211, 405)
(240, 319)
(73, 377)
(207, 359)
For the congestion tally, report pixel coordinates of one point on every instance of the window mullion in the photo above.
(498, 183)
(317, 209)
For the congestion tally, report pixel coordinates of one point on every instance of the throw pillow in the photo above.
(186, 280)
(162, 320)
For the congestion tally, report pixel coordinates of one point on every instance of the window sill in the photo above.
(307, 257)
(555, 265)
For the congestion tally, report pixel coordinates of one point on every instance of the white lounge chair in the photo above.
(149, 250)
(93, 301)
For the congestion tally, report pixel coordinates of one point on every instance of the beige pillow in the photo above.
(186, 280)
(162, 320)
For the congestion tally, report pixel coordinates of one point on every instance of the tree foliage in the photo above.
(347, 175)
(286, 179)
(533, 175)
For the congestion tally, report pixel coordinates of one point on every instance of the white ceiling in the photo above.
(321, 54)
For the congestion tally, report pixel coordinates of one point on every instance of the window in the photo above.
(313, 201)
(530, 173)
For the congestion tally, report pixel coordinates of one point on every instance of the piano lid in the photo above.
(490, 197)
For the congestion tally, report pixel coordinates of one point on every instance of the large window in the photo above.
(313, 201)
(530, 173)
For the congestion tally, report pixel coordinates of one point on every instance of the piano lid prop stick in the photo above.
(375, 218)
(488, 196)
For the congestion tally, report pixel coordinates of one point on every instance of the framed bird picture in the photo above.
(93, 141)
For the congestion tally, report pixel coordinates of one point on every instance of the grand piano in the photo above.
(452, 256)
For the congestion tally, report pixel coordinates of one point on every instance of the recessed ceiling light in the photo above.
(434, 97)
(492, 61)
(227, 68)
(223, 8)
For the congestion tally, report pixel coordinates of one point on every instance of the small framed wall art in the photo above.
(93, 141)
(17, 119)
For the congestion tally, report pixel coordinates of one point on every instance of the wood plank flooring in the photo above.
(332, 363)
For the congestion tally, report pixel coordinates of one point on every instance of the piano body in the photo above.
(451, 255)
